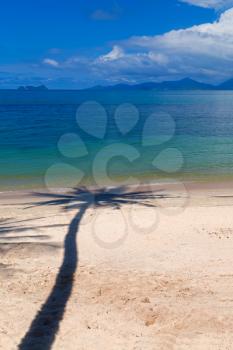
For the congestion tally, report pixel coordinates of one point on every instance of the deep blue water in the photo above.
(32, 123)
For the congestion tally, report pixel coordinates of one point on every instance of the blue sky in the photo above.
(76, 44)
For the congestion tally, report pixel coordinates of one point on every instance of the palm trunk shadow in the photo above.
(44, 327)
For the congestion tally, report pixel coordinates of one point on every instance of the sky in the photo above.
(82, 43)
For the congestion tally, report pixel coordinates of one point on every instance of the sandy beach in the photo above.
(147, 272)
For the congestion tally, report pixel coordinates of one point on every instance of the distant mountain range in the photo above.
(183, 84)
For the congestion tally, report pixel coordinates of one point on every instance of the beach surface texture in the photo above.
(117, 270)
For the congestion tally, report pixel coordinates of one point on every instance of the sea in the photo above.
(67, 138)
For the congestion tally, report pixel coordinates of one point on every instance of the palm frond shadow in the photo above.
(18, 227)
(43, 329)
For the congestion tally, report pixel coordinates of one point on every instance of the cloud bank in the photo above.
(216, 4)
(204, 52)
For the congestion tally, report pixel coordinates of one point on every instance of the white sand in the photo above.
(168, 288)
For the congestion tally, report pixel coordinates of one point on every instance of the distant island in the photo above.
(32, 88)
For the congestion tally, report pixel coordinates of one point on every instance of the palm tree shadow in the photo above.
(43, 329)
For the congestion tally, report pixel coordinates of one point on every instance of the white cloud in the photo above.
(204, 52)
(211, 39)
(116, 53)
(216, 4)
(50, 62)
(159, 58)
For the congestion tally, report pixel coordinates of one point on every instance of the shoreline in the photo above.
(191, 185)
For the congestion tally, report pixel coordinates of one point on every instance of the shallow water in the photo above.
(32, 123)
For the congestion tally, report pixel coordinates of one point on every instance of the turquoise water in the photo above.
(32, 123)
